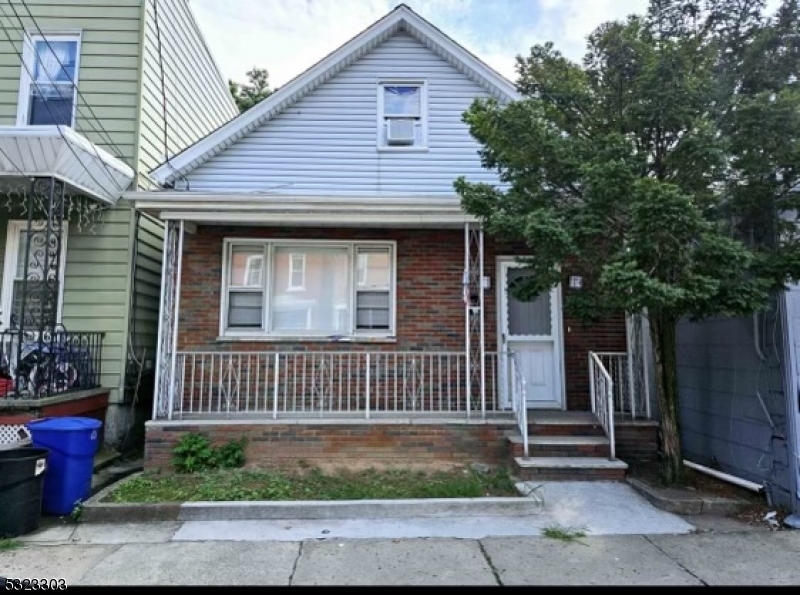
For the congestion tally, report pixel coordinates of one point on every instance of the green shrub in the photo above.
(195, 453)
(231, 455)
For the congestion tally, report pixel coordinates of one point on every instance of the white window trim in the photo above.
(269, 244)
(15, 226)
(292, 270)
(28, 56)
(247, 289)
(422, 148)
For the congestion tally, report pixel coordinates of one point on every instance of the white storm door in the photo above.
(532, 331)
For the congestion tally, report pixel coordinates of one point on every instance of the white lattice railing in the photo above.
(13, 436)
(519, 398)
(281, 384)
(602, 391)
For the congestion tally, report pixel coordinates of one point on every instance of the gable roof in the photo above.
(401, 18)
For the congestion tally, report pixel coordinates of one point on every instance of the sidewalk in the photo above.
(439, 542)
(726, 553)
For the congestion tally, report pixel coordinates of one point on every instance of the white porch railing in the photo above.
(630, 397)
(519, 399)
(329, 384)
(602, 391)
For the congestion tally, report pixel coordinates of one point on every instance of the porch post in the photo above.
(632, 344)
(168, 321)
(39, 298)
(475, 347)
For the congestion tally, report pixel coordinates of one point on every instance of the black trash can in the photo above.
(22, 472)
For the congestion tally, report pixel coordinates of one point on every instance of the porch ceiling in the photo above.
(317, 211)
(62, 153)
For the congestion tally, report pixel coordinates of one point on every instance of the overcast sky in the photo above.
(288, 36)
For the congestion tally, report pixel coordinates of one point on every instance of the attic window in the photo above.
(402, 115)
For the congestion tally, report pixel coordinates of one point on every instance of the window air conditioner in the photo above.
(400, 131)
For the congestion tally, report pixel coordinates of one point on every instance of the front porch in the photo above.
(51, 179)
(359, 323)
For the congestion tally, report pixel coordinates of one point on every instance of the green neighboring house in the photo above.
(84, 89)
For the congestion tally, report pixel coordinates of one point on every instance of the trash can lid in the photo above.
(64, 423)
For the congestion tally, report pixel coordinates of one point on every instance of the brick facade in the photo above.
(341, 445)
(430, 310)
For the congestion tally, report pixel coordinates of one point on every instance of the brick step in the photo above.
(570, 468)
(562, 446)
(564, 423)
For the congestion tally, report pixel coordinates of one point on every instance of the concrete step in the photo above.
(570, 468)
(562, 446)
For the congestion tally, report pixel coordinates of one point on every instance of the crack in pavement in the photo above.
(655, 545)
(296, 562)
(495, 572)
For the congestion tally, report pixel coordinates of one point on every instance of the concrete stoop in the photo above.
(565, 445)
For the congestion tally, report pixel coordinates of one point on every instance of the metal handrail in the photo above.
(602, 392)
(519, 399)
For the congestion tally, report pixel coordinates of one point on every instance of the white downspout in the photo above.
(742, 483)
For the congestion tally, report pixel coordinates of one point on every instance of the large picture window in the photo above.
(323, 289)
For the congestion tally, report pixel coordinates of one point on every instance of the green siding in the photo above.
(197, 96)
(95, 288)
(120, 86)
(98, 261)
(108, 76)
(146, 287)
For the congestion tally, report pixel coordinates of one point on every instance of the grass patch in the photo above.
(313, 484)
(7, 544)
(564, 533)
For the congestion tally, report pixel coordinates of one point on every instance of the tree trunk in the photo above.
(662, 334)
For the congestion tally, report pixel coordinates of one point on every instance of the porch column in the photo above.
(36, 310)
(637, 339)
(166, 353)
(475, 347)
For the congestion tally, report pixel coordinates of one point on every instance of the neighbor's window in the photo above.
(318, 288)
(48, 87)
(402, 115)
(297, 271)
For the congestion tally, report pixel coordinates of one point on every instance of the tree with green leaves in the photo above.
(247, 95)
(661, 169)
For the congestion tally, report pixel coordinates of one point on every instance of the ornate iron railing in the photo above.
(329, 384)
(35, 365)
(602, 391)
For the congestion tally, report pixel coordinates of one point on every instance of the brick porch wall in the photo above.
(341, 445)
(430, 310)
(636, 441)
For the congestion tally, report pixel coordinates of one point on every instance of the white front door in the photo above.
(532, 331)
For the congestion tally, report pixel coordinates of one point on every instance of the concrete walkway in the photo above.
(159, 554)
(628, 542)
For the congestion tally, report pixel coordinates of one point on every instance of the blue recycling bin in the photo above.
(73, 442)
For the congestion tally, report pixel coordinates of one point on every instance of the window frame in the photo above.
(423, 117)
(268, 247)
(29, 58)
(293, 270)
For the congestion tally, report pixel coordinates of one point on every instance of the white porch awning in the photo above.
(62, 153)
(322, 211)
